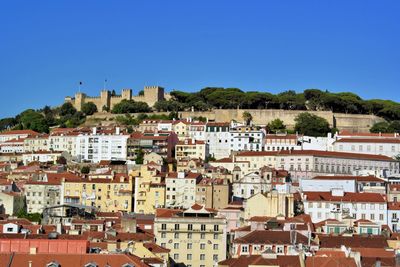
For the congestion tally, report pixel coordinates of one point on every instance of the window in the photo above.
(215, 246)
(215, 257)
(189, 235)
(189, 257)
(202, 236)
(163, 235)
(215, 236)
(189, 246)
(279, 250)
(203, 227)
(190, 227)
(176, 235)
(202, 257)
(202, 246)
(176, 226)
(381, 217)
(245, 249)
(176, 245)
(216, 228)
(163, 226)
(176, 256)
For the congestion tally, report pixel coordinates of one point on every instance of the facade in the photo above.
(11, 202)
(41, 156)
(218, 139)
(277, 142)
(13, 146)
(15, 135)
(37, 143)
(191, 149)
(162, 143)
(269, 204)
(379, 146)
(149, 190)
(247, 138)
(197, 131)
(250, 185)
(393, 216)
(213, 193)
(340, 205)
(101, 145)
(106, 194)
(106, 101)
(195, 236)
(181, 189)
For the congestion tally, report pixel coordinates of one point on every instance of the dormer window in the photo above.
(53, 264)
(128, 265)
(91, 264)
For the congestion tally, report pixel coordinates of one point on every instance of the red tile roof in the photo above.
(19, 132)
(393, 206)
(269, 237)
(369, 178)
(355, 241)
(330, 261)
(254, 260)
(348, 197)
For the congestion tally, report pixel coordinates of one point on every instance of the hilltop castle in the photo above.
(106, 101)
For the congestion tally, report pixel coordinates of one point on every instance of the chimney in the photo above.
(193, 142)
(32, 251)
(29, 263)
(378, 262)
(94, 130)
(117, 130)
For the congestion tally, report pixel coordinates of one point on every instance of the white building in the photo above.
(246, 138)
(197, 131)
(101, 145)
(16, 134)
(64, 141)
(181, 189)
(41, 156)
(12, 146)
(379, 146)
(191, 149)
(249, 185)
(218, 139)
(276, 142)
(394, 216)
(339, 205)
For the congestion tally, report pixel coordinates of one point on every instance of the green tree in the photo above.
(139, 156)
(33, 120)
(85, 170)
(311, 125)
(276, 125)
(89, 108)
(130, 106)
(380, 127)
(141, 92)
(67, 109)
(247, 117)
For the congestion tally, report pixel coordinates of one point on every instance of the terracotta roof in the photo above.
(393, 206)
(334, 154)
(20, 259)
(330, 261)
(348, 133)
(355, 241)
(166, 213)
(347, 197)
(256, 153)
(254, 260)
(246, 228)
(269, 237)
(153, 247)
(19, 132)
(369, 178)
(260, 218)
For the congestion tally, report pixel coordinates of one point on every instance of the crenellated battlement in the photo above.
(106, 101)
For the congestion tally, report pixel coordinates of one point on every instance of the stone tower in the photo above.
(152, 94)
(126, 94)
(79, 100)
(105, 99)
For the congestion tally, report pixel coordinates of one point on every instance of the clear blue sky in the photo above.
(47, 47)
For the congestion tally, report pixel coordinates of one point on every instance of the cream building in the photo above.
(196, 236)
(181, 128)
(37, 143)
(269, 204)
(213, 193)
(191, 149)
(41, 156)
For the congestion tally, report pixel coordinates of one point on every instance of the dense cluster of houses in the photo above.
(192, 193)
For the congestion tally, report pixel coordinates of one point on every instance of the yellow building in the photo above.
(149, 190)
(269, 204)
(36, 143)
(181, 128)
(213, 193)
(196, 237)
(191, 149)
(108, 195)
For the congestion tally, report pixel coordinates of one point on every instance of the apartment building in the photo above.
(247, 138)
(101, 144)
(149, 190)
(191, 149)
(213, 193)
(107, 194)
(13, 146)
(218, 139)
(338, 205)
(195, 236)
(41, 156)
(181, 189)
(379, 146)
(284, 141)
(162, 143)
(16, 135)
(37, 143)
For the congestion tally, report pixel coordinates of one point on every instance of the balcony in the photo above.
(395, 220)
